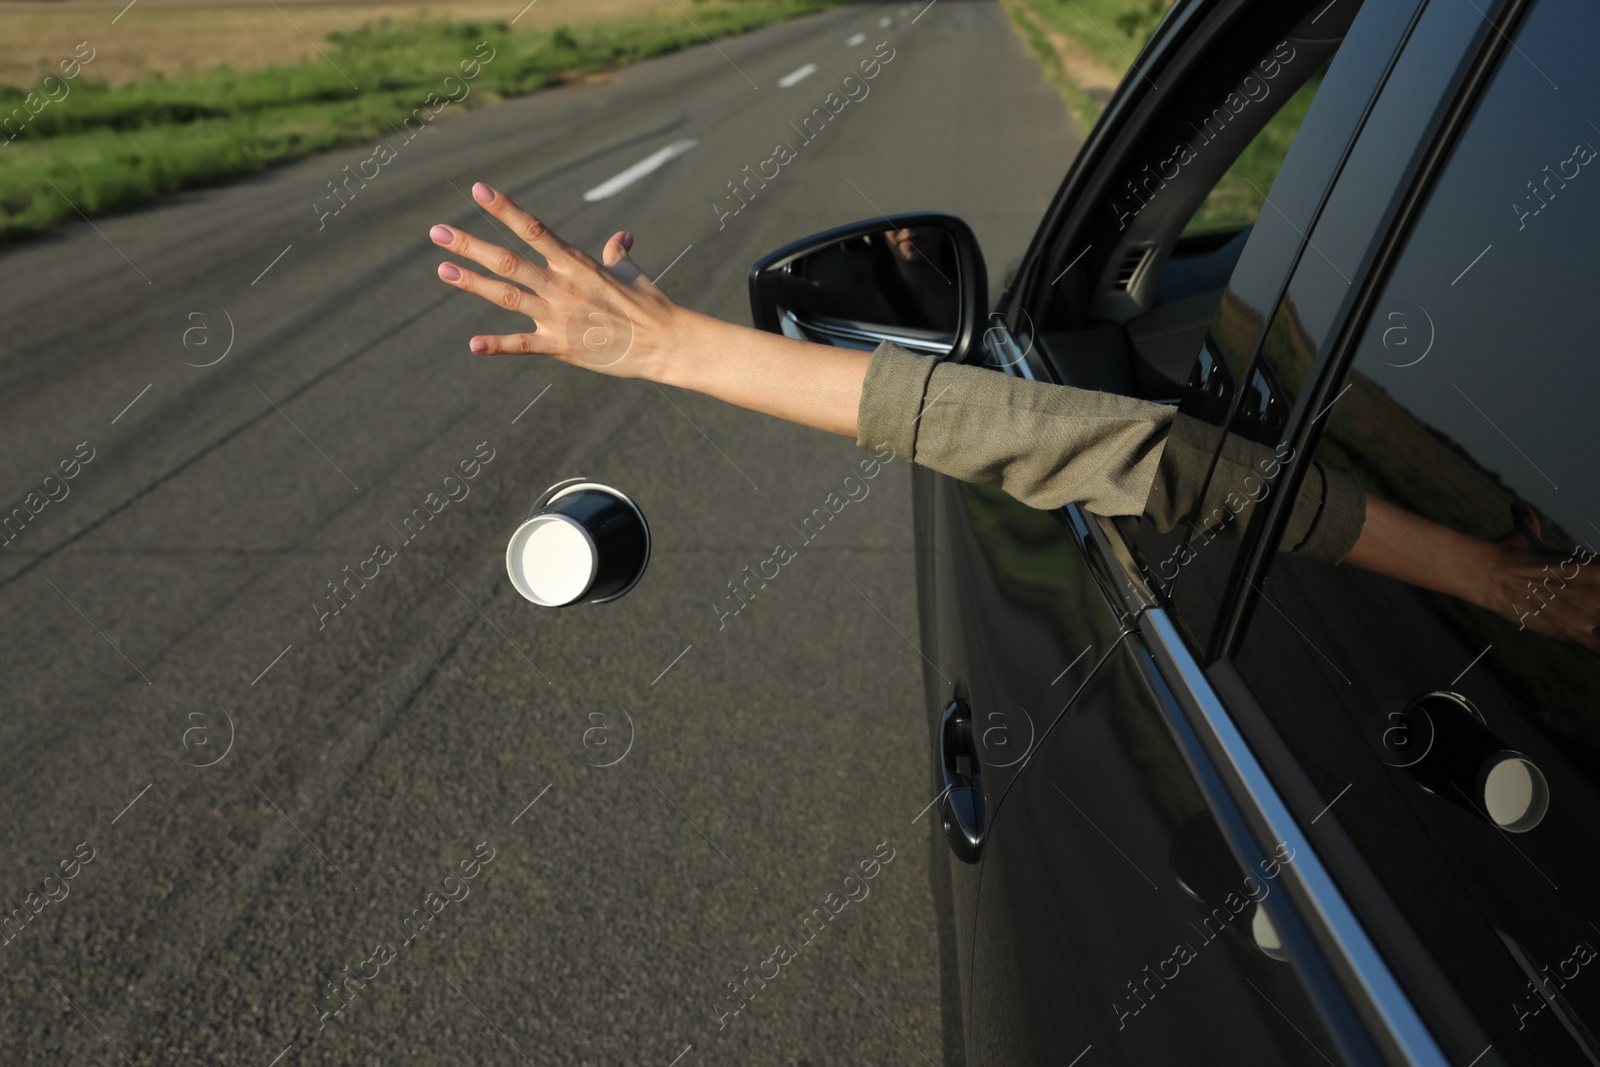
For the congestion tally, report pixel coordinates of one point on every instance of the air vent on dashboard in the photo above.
(1132, 264)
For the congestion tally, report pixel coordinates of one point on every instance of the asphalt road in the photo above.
(266, 798)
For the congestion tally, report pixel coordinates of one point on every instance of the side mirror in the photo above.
(916, 280)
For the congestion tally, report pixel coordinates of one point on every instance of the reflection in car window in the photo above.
(1237, 198)
(1182, 951)
(1461, 751)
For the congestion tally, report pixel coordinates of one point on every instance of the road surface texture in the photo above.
(259, 798)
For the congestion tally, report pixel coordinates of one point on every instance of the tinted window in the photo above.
(1218, 124)
(1241, 193)
(1226, 381)
(1457, 746)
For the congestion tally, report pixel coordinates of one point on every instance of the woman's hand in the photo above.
(1539, 587)
(610, 318)
(604, 316)
(1518, 577)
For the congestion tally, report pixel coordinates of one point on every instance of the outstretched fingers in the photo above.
(508, 295)
(502, 261)
(513, 344)
(538, 236)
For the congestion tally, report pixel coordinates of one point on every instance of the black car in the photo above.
(1210, 803)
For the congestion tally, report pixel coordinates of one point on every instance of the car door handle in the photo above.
(963, 809)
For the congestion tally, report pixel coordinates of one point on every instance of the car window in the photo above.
(1459, 750)
(1240, 194)
(1227, 387)
(1137, 271)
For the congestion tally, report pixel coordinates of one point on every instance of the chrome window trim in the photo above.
(1382, 992)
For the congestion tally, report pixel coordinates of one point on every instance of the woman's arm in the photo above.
(1518, 577)
(1043, 444)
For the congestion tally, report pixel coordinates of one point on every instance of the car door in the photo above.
(1127, 907)
(1012, 623)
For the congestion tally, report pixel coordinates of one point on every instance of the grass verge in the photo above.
(1087, 45)
(75, 144)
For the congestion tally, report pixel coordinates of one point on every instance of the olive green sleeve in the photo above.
(1329, 509)
(1049, 445)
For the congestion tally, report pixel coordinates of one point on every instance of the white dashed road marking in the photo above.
(857, 39)
(795, 77)
(645, 166)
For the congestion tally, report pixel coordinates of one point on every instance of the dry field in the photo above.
(174, 36)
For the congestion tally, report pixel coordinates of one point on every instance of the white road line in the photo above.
(857, 39)
(645, 166)
(885, 22)
(795, 77)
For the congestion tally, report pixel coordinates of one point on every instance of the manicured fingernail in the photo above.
(483, 193)
(449, 272)
(627, 240)
(443, 234)
(479, 345)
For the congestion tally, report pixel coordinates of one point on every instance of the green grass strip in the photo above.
(76, 142)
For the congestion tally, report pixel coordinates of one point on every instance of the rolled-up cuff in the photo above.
(891, 401)
(1185, 464)
(1232, 473)
(1334, 502)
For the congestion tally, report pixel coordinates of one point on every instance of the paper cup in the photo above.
(585, 542)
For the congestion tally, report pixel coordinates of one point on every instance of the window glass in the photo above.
(1265, 341)
(1122, 304)
(1241, 192)
(1458, 745)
